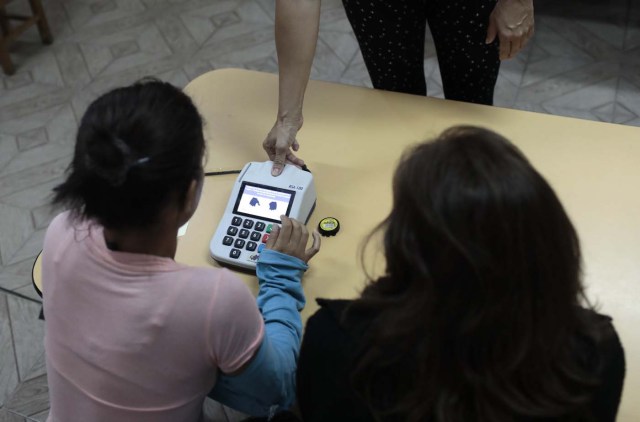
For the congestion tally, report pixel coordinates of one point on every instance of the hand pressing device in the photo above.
(255, 205)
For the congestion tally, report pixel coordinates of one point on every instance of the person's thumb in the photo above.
(492, 31)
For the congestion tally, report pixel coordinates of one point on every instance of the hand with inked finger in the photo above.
(291, 238)
(512, 22)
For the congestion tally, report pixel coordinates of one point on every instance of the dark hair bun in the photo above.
(109, 158)
(137, 149)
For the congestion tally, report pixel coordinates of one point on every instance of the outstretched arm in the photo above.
(297, 23)
(267, 383)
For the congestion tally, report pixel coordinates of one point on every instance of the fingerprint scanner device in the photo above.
(255, 205)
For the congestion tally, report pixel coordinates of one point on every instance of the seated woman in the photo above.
(481, 314)
(132, 335)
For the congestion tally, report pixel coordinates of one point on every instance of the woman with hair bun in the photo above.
(132, 335)
(481, 314)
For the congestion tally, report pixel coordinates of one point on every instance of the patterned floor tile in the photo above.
(114, 53)
(203, 22)
(24, 90)
(246, 17)
(13, 282)
(16, 275)
(8, 149)
(586, 98)
(31, 139)
(15, 229)
(58, 20)
(30, 248)
(28, 337)
(39, 417)
(566, 83)
(35, 119)
(434, 87)
(176, 34)
(513, 70)
(93, 13)
(584, 39)
(198, 66)
(33, 197)
(28, 292)
(7, 416)
(39, 366)
(609, 32)
(577, 113)
(33, 176)
(551, 42)
(344, 45)
(37, 98)
(505, 92)
(8, 367)
(356, 72)
(546, 68)
(327, 65)
(241, 47)
(628, 101)
(30, 398)
(72, 64)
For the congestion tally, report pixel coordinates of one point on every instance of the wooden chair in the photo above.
(8, 33)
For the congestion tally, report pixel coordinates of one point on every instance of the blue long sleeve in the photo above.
(267, 384)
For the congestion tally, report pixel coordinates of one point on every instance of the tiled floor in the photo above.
(584, 61)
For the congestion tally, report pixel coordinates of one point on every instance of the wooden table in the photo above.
(351, 141)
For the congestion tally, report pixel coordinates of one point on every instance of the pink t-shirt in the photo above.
(132, 337)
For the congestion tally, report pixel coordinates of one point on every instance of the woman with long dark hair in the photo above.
(481, 314)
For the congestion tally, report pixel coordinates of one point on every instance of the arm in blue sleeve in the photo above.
(267, 384)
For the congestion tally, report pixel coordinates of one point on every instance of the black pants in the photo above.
(391, 34)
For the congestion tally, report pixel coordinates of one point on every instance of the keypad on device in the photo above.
(240, 236)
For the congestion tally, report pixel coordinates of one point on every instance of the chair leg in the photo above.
(5, 59)
(4, 22)
(43, 25)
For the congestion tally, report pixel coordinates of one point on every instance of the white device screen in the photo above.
(266, 202)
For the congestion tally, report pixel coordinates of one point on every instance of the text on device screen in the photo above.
(266, 202)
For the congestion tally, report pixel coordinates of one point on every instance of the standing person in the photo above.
(481, 314)
(130, 334)
(471, 37)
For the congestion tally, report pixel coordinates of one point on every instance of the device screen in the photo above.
(265, 202)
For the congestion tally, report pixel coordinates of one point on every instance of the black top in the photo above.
(325, 394)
